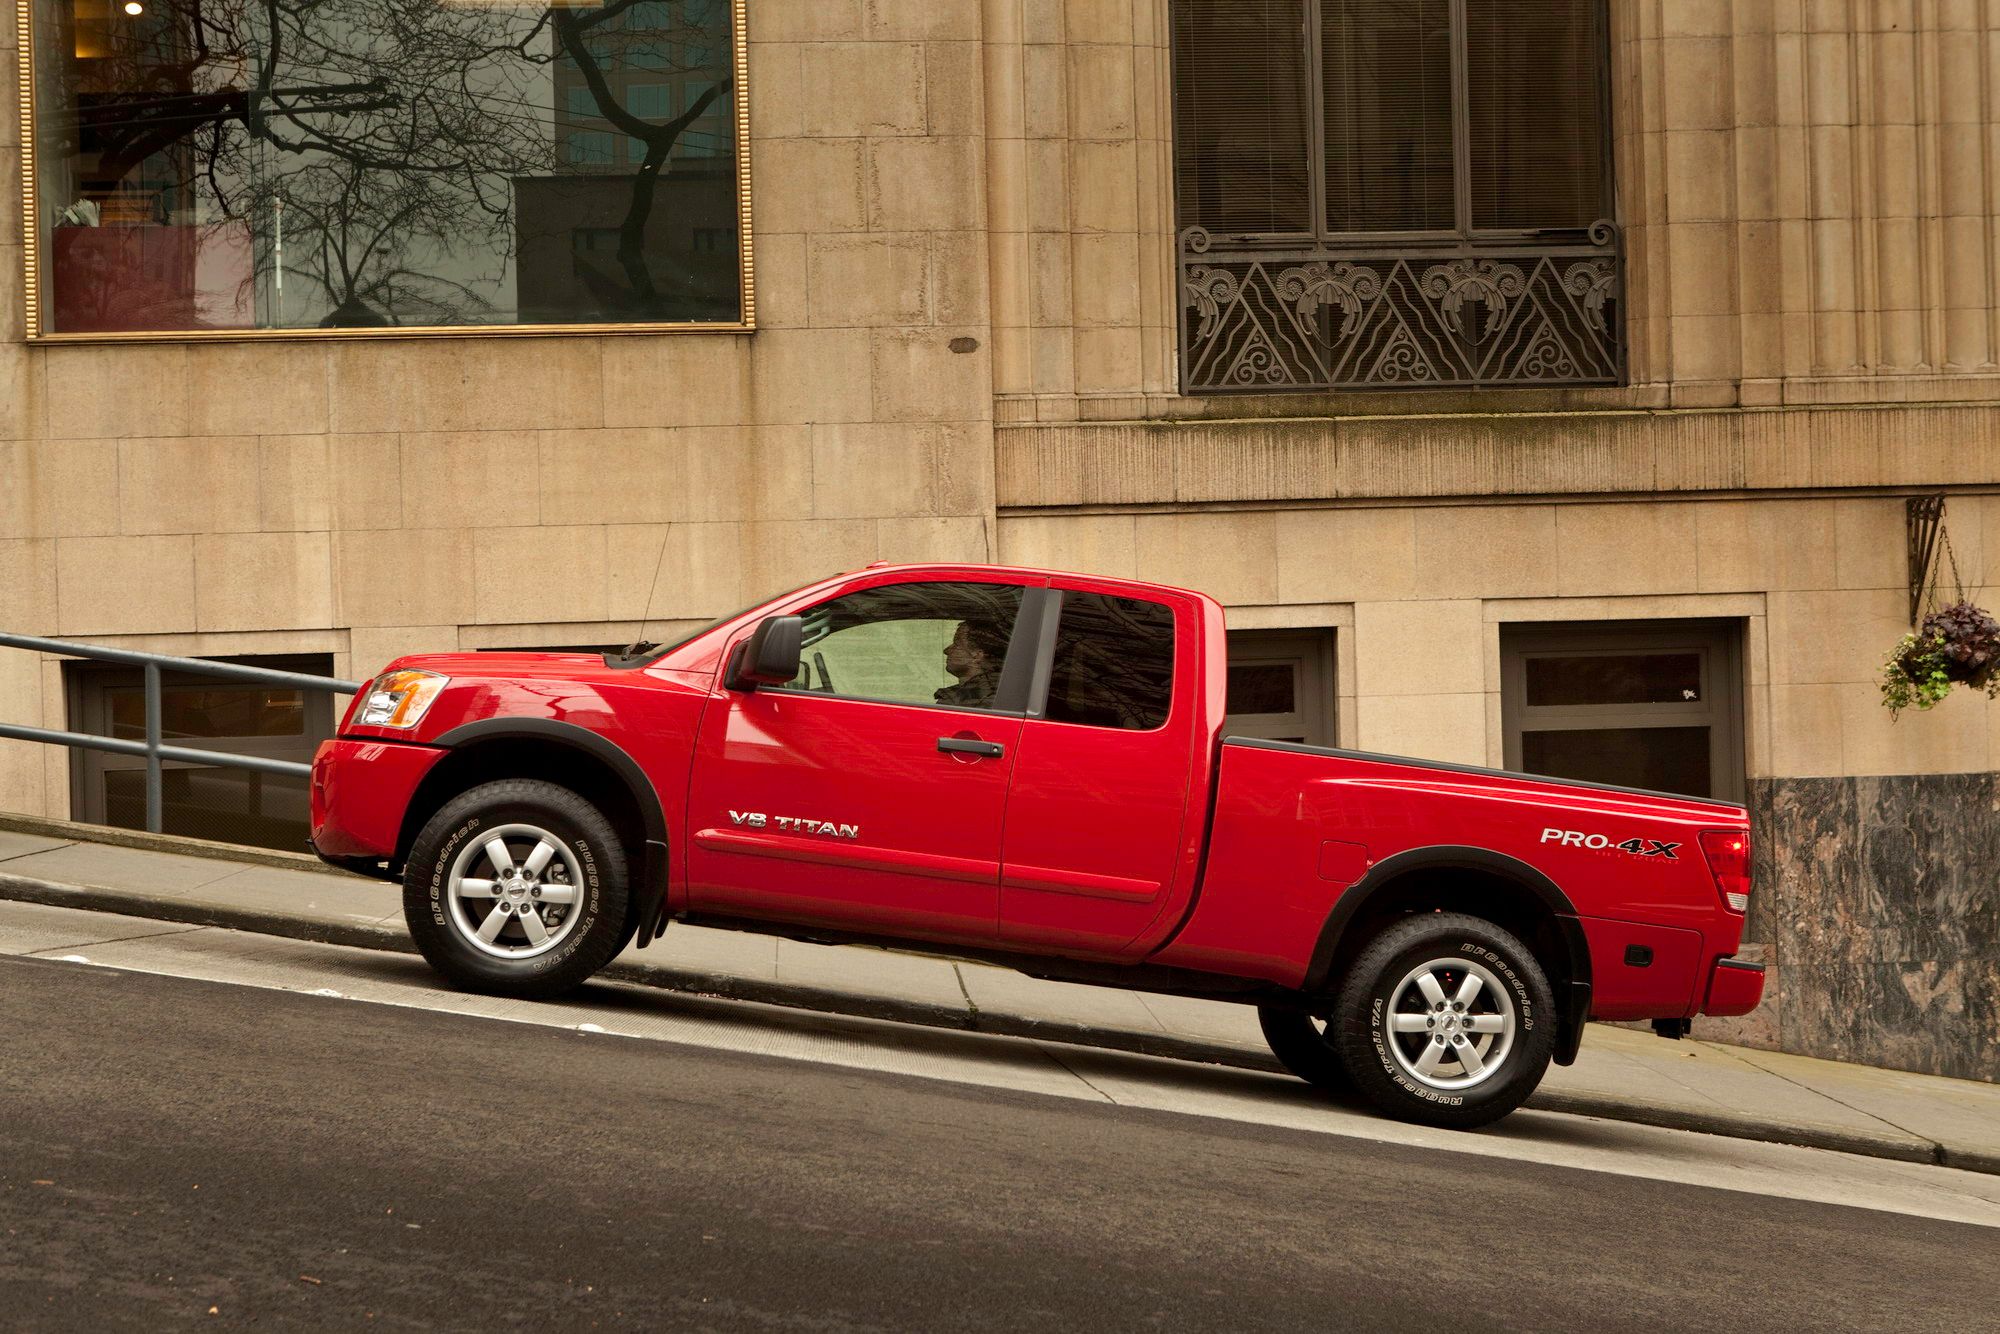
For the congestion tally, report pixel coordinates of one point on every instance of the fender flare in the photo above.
(651, 899)
(1573, 1008)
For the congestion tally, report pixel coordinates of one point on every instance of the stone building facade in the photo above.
(972, 297)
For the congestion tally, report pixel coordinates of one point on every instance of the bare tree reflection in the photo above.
(376, 145)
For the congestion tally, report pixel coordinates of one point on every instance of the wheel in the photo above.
(1445, 1020)
(1301, 1044)
(517, 888)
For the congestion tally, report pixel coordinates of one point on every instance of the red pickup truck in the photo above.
(1027, 768)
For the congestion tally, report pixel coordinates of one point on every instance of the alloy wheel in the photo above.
(513, 891)
(1451, 1024)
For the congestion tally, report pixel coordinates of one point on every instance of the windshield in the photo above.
(652, 653)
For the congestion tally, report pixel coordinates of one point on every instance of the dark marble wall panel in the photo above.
(1880, 900)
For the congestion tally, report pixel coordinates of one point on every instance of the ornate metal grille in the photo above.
(1423, 315)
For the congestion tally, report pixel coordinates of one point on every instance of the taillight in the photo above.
(1728, 854)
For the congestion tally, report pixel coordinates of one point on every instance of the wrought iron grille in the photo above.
(1257, 317)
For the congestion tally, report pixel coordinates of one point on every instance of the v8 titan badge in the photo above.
(1638, 847)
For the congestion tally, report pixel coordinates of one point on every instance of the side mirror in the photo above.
(770, 657)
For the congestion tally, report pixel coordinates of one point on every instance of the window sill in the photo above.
(400, 331)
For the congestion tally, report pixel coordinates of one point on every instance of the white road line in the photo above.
(1020, 1065)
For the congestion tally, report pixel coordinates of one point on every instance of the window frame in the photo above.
(1215, 268)
(1717, 642)
(1312, 34)
(87, 700)
(1315, 685)
(32, 239)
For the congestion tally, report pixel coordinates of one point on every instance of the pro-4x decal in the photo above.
(1638, 847)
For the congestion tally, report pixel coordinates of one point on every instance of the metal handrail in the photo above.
(152, 747)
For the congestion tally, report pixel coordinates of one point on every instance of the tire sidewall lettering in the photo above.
(447, 853)
(1378, 1036)
(1523, 999)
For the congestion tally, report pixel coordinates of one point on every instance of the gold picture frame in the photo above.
(31, 240)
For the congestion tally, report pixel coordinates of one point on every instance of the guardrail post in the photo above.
(155, 798)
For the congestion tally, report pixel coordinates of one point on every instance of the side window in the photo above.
(1114, 663)
(933, 643)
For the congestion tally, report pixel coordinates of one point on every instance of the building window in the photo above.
(1410, 195)
(353, 164)
(1281, 686)
(200, 801)
(1651, 704)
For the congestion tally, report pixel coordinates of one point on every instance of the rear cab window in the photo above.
(1113, 664)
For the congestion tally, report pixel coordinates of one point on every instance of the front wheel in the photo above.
(517, 888)
(1445, 1020)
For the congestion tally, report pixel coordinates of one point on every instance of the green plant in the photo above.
(1955, 645)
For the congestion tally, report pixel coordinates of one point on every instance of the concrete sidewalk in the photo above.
(1621, 1075)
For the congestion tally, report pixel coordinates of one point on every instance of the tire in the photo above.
(478, 928)
(1302, 1045)
(1482, 1070)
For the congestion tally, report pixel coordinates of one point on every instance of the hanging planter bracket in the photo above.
(1925, 519)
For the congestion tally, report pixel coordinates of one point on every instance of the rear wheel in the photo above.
(517, 888)
(1302, 1046)
(1445, 1020)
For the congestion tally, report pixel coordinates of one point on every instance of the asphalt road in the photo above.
(177, 1152)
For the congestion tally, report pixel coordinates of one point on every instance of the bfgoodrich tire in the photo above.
(1445, 1020)
(1303, 1045)
(517, 888)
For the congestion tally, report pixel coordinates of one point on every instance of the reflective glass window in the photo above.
(1614, 678)
(1662, 759)
(301, 164)
(1114, 663)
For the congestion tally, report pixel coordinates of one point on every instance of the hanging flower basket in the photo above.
(1958, 645)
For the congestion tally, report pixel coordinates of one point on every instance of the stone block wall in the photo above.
(1808, 193)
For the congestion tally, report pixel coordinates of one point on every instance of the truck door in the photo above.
(867, 793)
(1095, 820)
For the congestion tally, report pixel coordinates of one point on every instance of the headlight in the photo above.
(399, 699)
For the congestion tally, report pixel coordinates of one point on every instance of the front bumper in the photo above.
(1734, 987)
(360, 792)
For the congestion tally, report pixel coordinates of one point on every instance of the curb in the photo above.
(99, 898)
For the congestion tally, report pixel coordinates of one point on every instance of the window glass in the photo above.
(932, 643)
(1262, 687)
(302, 164)
(1387, 72)
(1533, 109)
(222, 805)
(1614, 678)
(1114, 663)
(1664, 759)
(1240, 113)
(210, 711)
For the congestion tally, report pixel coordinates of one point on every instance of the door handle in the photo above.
(970, 746)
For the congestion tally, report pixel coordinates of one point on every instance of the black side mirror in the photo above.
(770, 657)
